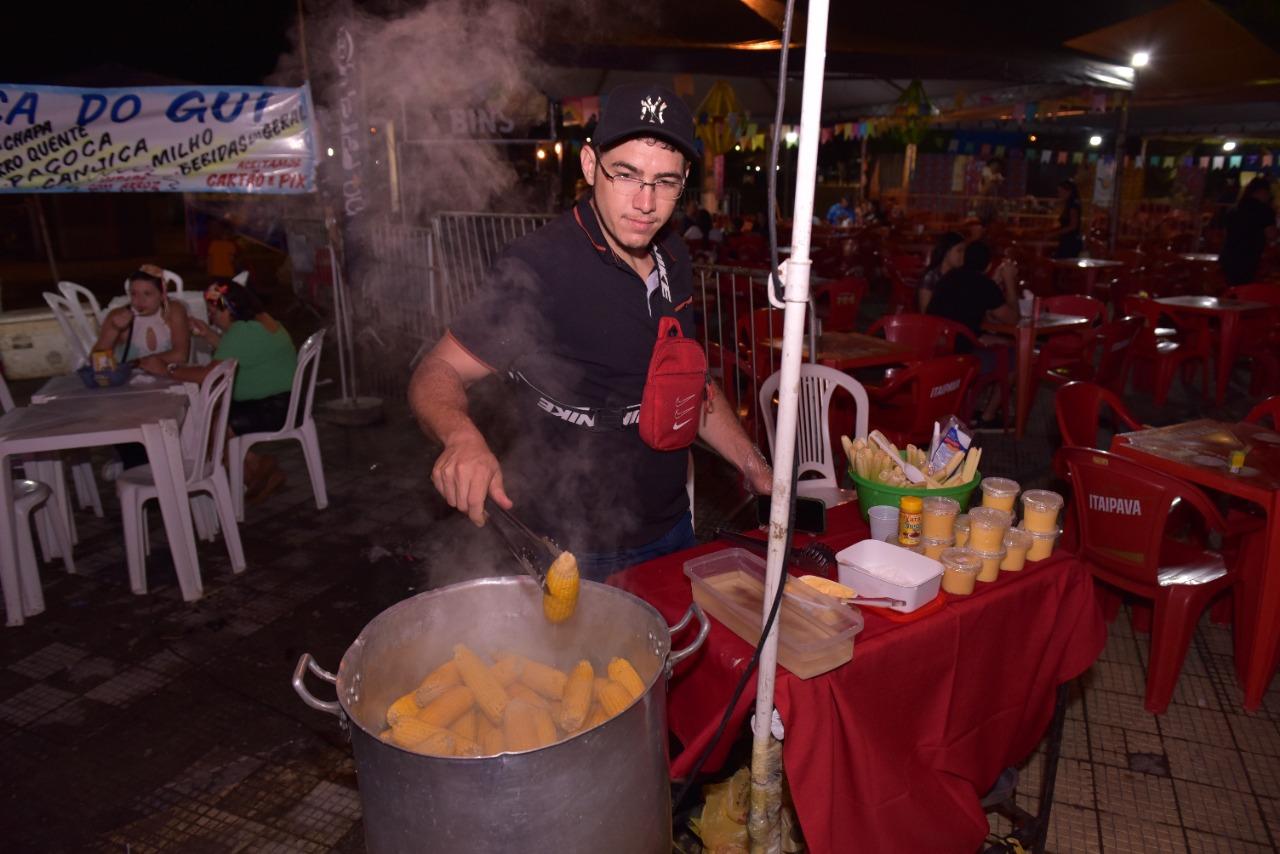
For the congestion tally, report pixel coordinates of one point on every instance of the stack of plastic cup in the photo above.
(1040, 509)
(986, 528)
(1000, 493)
(961, 529)
(1016, 544)
(938, 524)
(960, 569)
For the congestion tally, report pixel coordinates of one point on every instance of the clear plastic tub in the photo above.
(815, 631)
(1040, 508)
(875, 568)
(939, 517)
(999, 492)
(1016, 543)
(990, 564)
(961, 530)
(986, 528)
(931, 547)
(960, 568)
(1042, 543)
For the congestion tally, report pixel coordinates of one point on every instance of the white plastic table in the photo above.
(71, 387)
(85, 423)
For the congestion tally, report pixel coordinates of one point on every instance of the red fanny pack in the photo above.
(671, 409)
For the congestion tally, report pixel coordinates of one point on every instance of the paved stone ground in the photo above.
(143, 723)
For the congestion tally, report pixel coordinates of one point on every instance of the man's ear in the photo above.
(587, 159)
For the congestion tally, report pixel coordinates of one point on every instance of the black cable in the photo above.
(795, 467)
(774, 147)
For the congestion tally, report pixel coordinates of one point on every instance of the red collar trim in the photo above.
(577, 215)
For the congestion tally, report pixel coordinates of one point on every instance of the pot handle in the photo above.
(704, 628)
(305, 663)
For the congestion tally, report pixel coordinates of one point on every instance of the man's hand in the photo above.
(465, 473)
(756, 473)
(199, 327)
(154, 365)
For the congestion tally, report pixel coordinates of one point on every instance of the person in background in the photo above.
(841, 214)
(718, 223)
(239, 328)
(967, 296)
(947, 255)
(988, 189)
(1070, 238)
(1250, 224)
(220, 260)
(700, 227)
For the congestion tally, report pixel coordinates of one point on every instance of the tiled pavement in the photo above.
(143, 723)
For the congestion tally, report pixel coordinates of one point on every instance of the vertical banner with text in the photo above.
(156, 139)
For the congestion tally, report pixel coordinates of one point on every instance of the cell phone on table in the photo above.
(811, 513)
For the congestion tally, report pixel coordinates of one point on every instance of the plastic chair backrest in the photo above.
(1269, 408)
(925, 334)
(173, 282)
(212, 408)
(1078, 406)
(80, 337)
(303, 392)
(1077, 304)
(843, 296)
(1123, 510)
(241, 278)
(1113, 346)
(938, 387)
(79, 296)
(755, 329)
(813, 433)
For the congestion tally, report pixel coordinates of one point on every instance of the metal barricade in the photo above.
(468, 244)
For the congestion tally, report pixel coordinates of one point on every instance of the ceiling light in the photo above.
(542, 155)
(1140, 59)
(1095, 140)
(1229, 145)
(1031, 138)
(559, 149)
(737, 148)
(329, 151)
(791, 137)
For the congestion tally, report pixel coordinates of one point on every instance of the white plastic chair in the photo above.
(169, 276)
(204, 473)
(298, 425)
(84, 303)
(241, 278)
(27, 496)
(80, 336)
(813, 435)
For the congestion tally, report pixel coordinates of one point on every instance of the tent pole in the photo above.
(766, 767)
(1119, 174)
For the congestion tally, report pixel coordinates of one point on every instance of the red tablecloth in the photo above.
(892, 751)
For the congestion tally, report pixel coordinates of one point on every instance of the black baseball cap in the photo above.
(645, 109)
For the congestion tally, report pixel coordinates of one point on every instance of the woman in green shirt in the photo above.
(239, 328)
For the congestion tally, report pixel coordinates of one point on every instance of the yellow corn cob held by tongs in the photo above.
(555, 570)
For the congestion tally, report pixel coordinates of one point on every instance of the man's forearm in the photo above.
(723, 432)
(439, 401)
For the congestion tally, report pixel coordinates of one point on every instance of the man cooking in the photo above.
(570, 316)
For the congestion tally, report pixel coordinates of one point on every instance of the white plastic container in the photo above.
(875, 568)
(32, 345)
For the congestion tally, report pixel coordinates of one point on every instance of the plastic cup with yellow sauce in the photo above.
(961, 529)
(1016, 544)
(1040, 509)
(940, 517)
(999, 492)
(960, 568)
(990, 564)
(986, 528)
(1042, 544)
(932, 547)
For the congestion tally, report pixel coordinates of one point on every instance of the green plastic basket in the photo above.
(871, 494)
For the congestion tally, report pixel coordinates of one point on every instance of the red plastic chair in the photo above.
(1122, 509)
(1259, 336)
(755, 329)
(1067, 355)
(838, 302)
(927, 335)
(1079, 407)
(740, 385)
(1106, 357)
(905, 407)
(1269, 408)
(1164, 354)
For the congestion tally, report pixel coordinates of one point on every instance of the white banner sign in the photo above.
(156, 139)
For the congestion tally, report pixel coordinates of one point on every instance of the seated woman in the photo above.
(150, 325)
(239, 328)
(967, 296)
(947, 255)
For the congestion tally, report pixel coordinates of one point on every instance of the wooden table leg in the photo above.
(1025, 338)
(1260, 590)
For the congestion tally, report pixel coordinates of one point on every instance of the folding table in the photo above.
(85, 423)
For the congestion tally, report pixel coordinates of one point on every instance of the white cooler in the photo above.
(32, 345)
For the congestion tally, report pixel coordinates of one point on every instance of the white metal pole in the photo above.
(793, 326)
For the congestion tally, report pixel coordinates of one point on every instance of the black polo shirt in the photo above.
(562, 309)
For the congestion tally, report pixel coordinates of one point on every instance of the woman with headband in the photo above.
(150, 325)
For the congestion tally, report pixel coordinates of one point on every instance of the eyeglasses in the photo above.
(630, 185)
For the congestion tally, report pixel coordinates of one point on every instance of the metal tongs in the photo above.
(534, 552)
(817, 558)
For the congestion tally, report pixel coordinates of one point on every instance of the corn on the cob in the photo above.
(492, 742)
(448, 707)
(577, 697)
(621, 671)
(490, 696)
(463, 746)
(437, 682)
(614, 698)
(547, 681)
(406, 732)
(530, 696)
(405, 707)
(467, 725)
(519, 726)
(561, 598)
(439, 743)
(596, 717)
(507, 670)
(546, 728)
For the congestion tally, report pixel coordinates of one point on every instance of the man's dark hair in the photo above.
(977, 256)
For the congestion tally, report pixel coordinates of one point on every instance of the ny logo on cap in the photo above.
(651, 110)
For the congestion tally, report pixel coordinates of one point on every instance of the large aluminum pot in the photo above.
(605, 789)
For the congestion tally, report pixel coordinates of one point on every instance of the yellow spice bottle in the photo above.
(910, 520)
